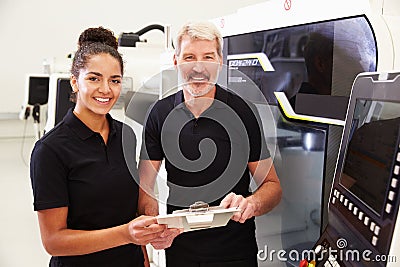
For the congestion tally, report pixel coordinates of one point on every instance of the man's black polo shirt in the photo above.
(206, 158)
(72, 167)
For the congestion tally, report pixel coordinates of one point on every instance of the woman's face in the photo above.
(98, 85)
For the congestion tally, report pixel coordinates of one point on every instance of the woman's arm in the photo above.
(58, 240)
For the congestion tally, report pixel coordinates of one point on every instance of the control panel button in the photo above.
(388, 208)
(374, 241)
(336, 193)
(333, 200)
(350, 207)
(366, 220)
(394, 183)
(332, 260)
(303, 263)
(372, 226)
(355, 210)
(398, 157)
(391, 195)
(341, 198)
(318, 249)
(361, 215)
(346, 201)
(377, 230)
(396, 170)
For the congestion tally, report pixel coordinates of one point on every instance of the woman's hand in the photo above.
(144, 229)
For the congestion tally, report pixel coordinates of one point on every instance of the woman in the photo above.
(84, 194)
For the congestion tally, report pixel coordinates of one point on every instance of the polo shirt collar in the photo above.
(81, 129)
(220, 94)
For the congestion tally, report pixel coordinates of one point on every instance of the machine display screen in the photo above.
(371, 151)
(38, 90)
(284, 59)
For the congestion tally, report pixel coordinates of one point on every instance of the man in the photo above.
(211, 141)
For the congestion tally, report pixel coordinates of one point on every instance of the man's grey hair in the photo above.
(203, 30)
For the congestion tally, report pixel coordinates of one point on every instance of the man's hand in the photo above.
(166, 238)
(246, 206)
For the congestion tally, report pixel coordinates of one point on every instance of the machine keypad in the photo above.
(364, 219)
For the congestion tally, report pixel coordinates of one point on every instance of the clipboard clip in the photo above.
(199, 206)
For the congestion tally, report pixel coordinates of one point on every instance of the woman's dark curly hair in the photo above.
(94, 41)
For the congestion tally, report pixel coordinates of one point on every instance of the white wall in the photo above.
(34, 30)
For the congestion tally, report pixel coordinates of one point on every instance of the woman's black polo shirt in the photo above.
(206, 158)
(72, 167)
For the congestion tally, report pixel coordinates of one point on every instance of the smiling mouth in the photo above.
(199, 80)
(198, 77)
(102, 99)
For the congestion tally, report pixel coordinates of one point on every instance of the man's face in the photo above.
(198, 65)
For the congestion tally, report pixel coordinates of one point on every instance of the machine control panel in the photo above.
(364, 200)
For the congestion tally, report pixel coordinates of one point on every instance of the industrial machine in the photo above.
(284, 47)
(363, 226)
(60, 99)
(36, 97)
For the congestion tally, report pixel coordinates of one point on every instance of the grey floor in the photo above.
(20, 243)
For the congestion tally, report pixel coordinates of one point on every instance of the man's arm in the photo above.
(269, 192)
(148, 170)
(264, 199)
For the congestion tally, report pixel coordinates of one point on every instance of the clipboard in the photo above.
(199, 216)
